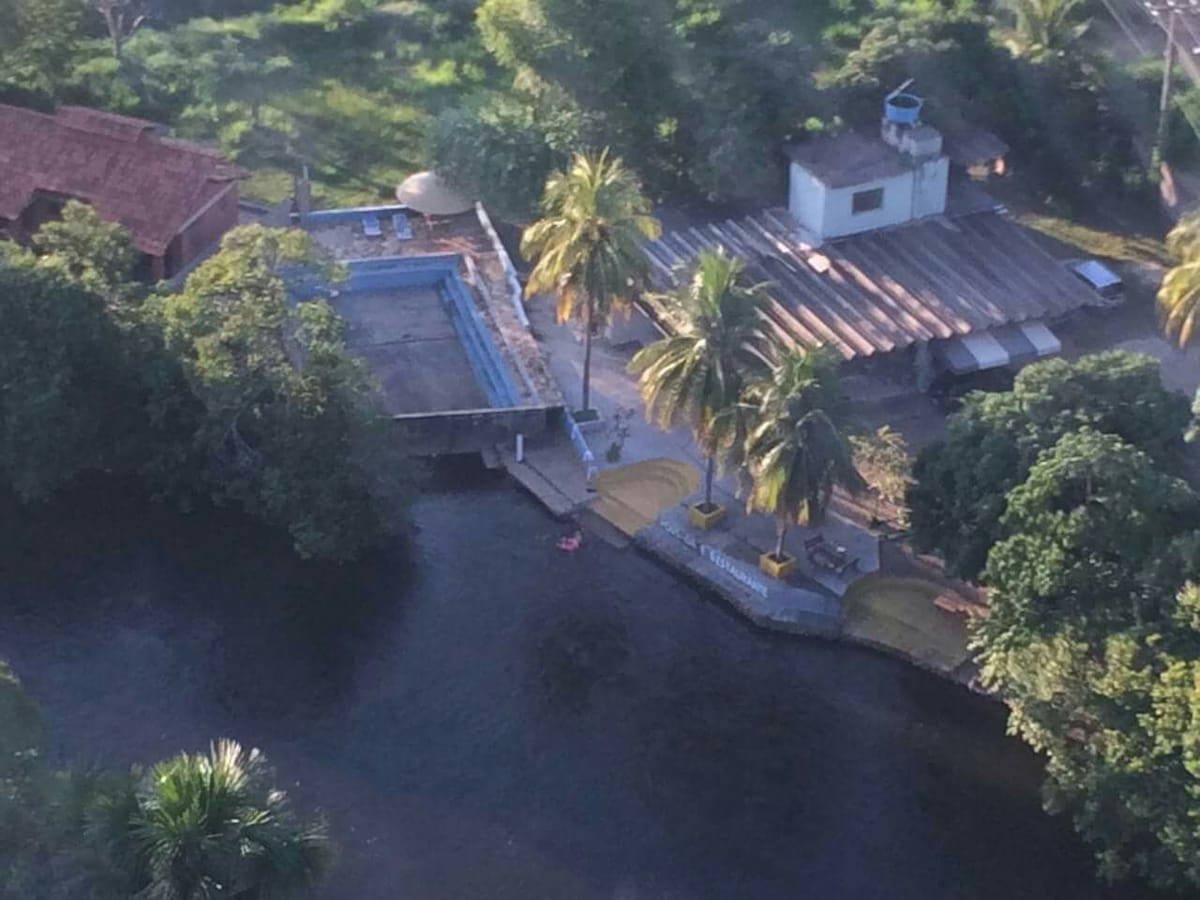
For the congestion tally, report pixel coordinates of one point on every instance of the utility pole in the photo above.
(1164, 102)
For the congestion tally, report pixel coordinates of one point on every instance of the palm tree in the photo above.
(1179, 294)
(1046, 25)
(796, 451)
(207, 825)
(697, 374)
(587, 248)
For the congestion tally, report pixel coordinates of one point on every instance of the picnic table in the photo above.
(832, 557)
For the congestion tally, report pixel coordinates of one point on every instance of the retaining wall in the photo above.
(470, 431)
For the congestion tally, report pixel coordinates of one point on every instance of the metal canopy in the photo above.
(1004, 346)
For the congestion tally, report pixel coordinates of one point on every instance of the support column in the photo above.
(924, 365)
(1164, 100)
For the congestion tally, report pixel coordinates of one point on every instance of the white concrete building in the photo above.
(883, 252)
(848, 184)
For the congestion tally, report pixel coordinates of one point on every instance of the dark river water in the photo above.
(480, 715)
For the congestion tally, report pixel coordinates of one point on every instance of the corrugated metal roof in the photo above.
(884, 290)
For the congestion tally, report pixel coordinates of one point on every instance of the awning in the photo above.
(1008, 345)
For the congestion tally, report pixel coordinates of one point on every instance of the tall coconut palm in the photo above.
(697, 375)
(209, 825)
(1179, 294)
(587, 247)
(797, 451)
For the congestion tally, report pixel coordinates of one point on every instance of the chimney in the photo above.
(302, 191)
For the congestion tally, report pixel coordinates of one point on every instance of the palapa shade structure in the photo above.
(428, 194)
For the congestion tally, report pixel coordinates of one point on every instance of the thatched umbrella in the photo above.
(428, 193)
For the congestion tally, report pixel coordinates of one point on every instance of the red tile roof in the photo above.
(131, 174)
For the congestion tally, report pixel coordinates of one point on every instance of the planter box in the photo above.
(777, 568)
(698, 517)
(589, 425)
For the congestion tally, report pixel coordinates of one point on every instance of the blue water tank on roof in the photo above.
(903, 109)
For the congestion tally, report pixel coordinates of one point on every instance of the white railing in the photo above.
(510, 274)
(581, 446)
(727, 564)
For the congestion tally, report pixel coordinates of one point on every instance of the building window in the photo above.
(865, 201)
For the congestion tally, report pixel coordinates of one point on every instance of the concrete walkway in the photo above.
(725, 557)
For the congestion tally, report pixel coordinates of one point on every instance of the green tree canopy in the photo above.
(39, 44)
(961, 483)
(68, 400)
(290, 422)
(1092, 638)
(1044, 26)
(1084, 527)
(98, 255)
(498, 148)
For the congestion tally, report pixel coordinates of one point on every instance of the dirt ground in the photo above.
(1134, 326)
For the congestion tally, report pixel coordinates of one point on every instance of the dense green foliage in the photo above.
(344, 86)
(586, 249)
(701, 96)
(698, 96)
(68, 398)
(223, 390)
(289, 422)
(882, 458)
(1094, 639)
(99, 255)
(1061, 495)
(962, 482)
(193, 826)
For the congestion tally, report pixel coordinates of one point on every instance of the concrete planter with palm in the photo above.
(587, 247)
(797, 452)
(696, 376)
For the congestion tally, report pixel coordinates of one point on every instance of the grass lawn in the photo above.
(270, 185)
(1125, 233)
(1093, 241)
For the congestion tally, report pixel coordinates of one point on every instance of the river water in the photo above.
(480, 715)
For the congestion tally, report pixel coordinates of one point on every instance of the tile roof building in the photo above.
(875, 254)
(175, 198)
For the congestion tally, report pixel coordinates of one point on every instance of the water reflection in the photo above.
(482, 715)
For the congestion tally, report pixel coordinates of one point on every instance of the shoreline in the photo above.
(655, 543)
